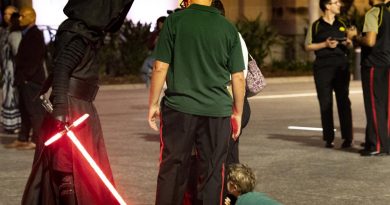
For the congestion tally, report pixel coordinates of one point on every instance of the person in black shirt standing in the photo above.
(327, 38)
(375, 63)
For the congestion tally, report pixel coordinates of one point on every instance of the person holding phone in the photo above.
(327, 38)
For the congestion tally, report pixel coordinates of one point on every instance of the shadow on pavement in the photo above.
(149, 137)
(316, 141)
(7, 138)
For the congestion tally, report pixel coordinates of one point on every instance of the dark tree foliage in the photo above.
(259, 37)
(124, 52)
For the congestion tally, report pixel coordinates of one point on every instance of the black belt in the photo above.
(82, 90)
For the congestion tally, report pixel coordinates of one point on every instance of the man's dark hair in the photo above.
(323, 4)
(219, 5)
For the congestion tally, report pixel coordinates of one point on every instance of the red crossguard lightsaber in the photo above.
(86, 155)
(67, 128)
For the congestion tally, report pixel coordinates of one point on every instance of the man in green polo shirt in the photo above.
(198, 54)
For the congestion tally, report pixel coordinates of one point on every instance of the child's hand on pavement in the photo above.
(227, 201)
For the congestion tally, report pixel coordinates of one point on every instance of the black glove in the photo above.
(59, 122)
(62, 118)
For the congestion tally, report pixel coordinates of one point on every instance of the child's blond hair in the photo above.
(242, 176)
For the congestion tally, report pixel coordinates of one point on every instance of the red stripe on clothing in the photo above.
(388, 104)
(161, 138)
(378, 142)
(221, 202)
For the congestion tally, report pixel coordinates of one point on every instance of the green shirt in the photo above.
(371, 20)
(377, 20)
(202, 49)
(255, 198)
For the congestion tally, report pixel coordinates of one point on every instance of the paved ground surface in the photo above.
(291, 165)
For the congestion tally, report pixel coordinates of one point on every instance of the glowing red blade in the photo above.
(80, 120)
(54, 138)
(95, 167)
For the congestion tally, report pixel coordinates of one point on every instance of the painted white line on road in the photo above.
(294, 95)
(306, 128)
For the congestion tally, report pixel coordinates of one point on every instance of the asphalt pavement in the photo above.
(292, 165)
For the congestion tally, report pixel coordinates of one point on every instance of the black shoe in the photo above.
(382, 154)
(367, 153)
(346, 144)
(329, 145)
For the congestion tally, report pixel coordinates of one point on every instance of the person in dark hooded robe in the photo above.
(60, 174)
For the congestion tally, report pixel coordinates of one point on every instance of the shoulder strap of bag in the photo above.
(250, 56)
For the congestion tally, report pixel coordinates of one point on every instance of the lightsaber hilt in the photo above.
(46, 104)
(49, 108)
(68, 128)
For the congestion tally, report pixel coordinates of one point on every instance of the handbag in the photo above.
(255, 81)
